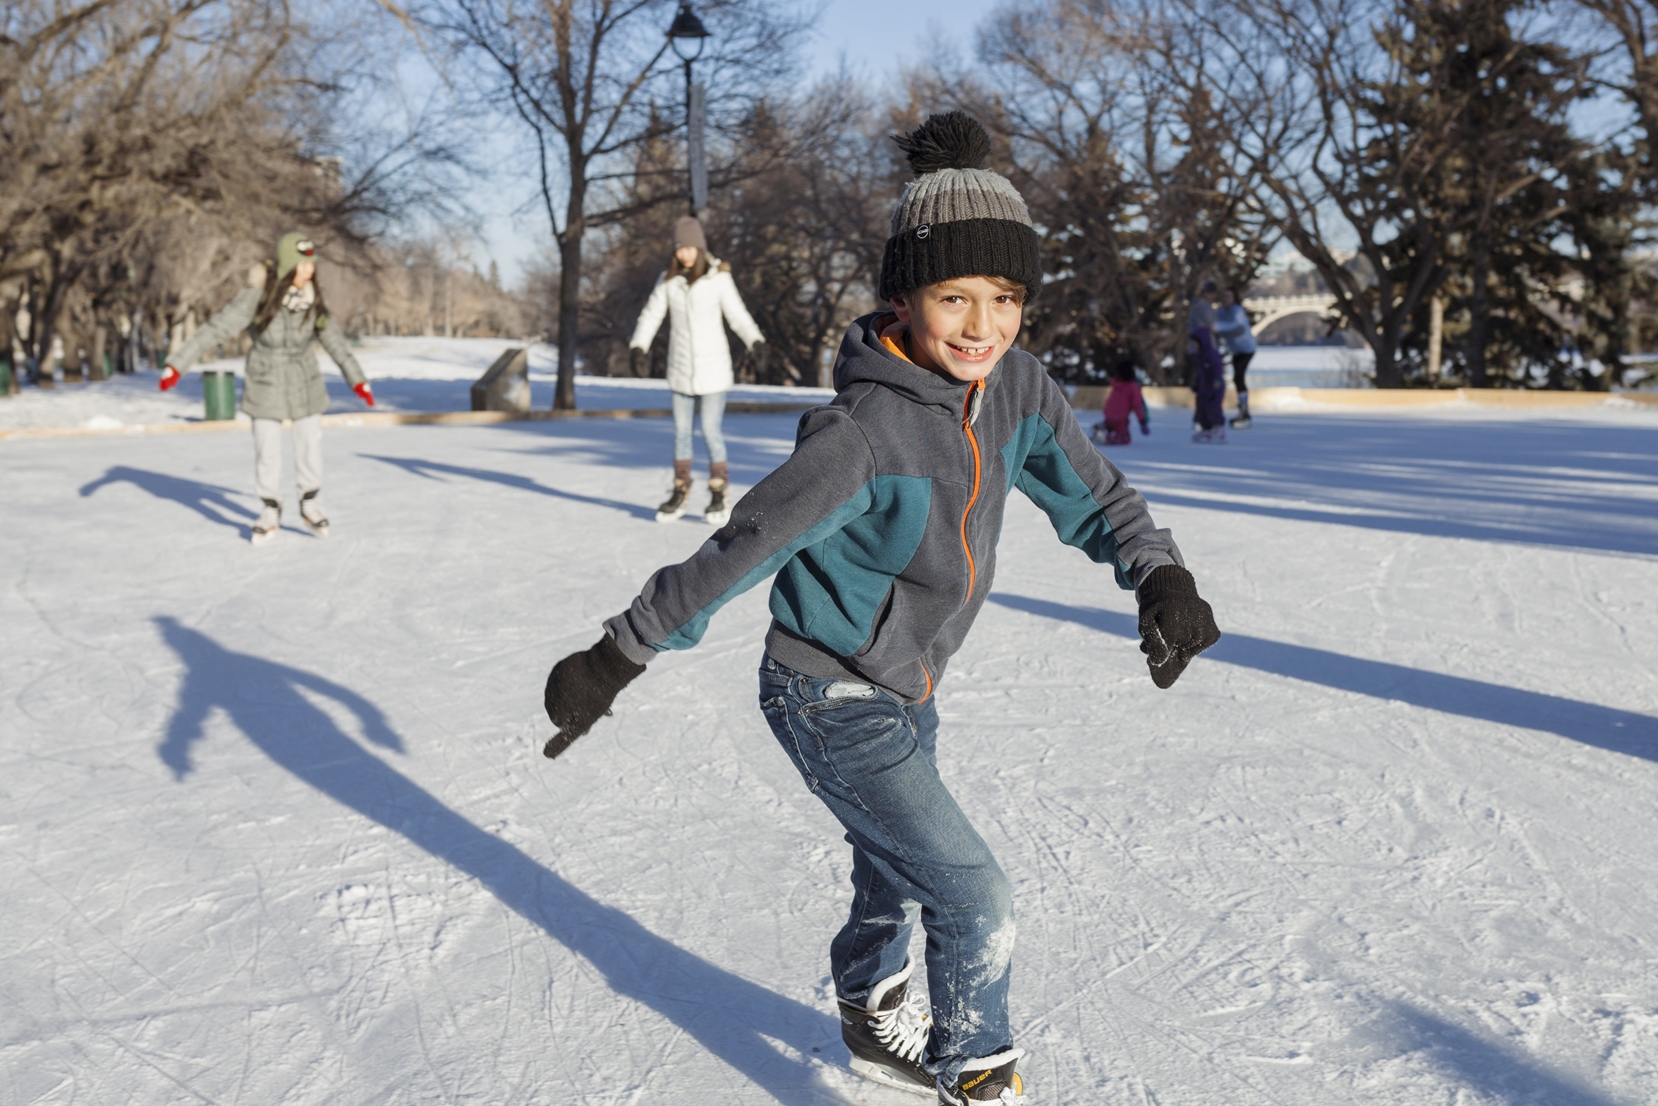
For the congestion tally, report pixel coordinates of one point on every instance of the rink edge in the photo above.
(1092, 397)
(391, 418)
(1284, 399)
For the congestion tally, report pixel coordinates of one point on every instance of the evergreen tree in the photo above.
(1506, 185)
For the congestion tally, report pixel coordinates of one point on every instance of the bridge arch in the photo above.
(1266, 310)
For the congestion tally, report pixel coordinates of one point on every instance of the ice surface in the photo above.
(274, 826)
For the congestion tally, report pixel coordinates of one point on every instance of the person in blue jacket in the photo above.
(881, 531)
(1232, 325)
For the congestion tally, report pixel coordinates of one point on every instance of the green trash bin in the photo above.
(219, 390)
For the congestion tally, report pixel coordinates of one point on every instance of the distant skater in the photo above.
(881, 532)
(1232, 324)
(282, 308)
(696, 295)
(1123, 400)
(1208, 372)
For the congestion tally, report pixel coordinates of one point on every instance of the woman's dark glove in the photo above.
(1175, 624)
(581, 688)
(638, 362)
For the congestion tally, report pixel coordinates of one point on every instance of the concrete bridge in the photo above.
(1266, 310)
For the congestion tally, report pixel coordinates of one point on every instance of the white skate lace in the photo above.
(904, 1031)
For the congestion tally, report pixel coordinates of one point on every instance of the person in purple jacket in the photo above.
(1208, 370)
(881, 532)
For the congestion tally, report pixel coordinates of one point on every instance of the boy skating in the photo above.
(881, 530)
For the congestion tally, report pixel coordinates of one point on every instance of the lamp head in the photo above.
(687, 33)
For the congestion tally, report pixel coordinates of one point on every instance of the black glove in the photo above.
(581, 688)
(757, 357)
(1175, 624)
(638, 362)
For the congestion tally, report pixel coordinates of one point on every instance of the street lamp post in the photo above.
(687, 36)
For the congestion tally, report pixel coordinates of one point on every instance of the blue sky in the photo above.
(875, 37)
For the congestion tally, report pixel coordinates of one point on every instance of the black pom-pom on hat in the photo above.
(951, 140)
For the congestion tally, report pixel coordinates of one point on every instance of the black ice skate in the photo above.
(268, 522)
(888, 1034)
(310, 513)
(991, 1079)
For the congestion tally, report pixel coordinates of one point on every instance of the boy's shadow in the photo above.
(208, 500)
(728, 1015)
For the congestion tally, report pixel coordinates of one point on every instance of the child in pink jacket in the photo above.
(1125, 399)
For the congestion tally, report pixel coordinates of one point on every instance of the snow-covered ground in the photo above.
(275, 826)
(409, 374)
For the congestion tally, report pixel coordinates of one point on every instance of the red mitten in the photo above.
(170, 378)
(364, 393)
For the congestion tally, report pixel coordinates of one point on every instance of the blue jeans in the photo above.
(713, 410)
(872, 760)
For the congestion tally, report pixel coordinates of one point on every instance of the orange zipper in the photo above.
(929, 676)
(972, 439)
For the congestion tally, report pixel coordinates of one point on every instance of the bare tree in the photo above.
(1369, 161)
(586, 79)
(150, 149)
(801, 222)
(1119, 136)
(1633, 25)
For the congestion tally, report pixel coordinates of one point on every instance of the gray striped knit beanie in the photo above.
(956, 219)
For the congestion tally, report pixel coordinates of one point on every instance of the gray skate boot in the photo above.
(310, 513)
(268, 522)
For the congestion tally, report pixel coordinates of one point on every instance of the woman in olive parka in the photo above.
(286, 318)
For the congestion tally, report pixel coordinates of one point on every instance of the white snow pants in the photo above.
(267, 456)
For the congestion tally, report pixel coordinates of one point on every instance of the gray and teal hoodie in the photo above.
(881, 528)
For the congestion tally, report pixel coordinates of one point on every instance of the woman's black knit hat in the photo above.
(956, 219)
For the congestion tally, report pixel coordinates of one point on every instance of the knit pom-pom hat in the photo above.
(956, 219)
(291, 250)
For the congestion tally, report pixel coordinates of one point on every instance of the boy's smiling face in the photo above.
(962, 327)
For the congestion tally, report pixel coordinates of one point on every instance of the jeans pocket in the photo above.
(848, 737)
(780, 719)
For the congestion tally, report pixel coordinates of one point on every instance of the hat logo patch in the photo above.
(923, 230)
(305, 247)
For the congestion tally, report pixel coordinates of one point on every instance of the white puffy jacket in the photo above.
(699, 357)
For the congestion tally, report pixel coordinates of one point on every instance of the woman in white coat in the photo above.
(697, 296)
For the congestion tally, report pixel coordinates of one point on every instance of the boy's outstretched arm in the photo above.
(1092, 507)
(823, 486)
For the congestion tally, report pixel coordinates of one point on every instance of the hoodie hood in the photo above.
(863, 358)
